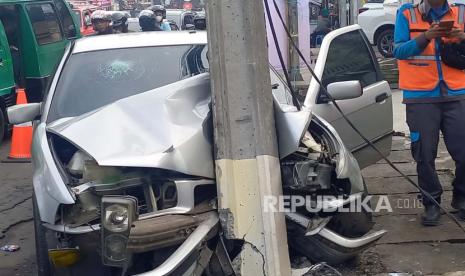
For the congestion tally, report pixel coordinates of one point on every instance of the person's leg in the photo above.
(424, 121)
(453, 128)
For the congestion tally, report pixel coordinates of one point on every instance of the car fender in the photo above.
(49, 187)
(346, 165)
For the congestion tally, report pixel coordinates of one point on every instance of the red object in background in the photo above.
(187, 6)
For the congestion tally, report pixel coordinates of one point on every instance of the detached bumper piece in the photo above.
(323, 232)
(163, 231)
(189, 247)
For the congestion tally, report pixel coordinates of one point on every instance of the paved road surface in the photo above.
(16, 225)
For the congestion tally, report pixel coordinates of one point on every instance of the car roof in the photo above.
(139, 39)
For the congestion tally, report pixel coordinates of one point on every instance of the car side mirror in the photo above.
(345, 90)
(23, 113)
(190, 27)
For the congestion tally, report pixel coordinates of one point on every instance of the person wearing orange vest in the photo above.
(434, 94)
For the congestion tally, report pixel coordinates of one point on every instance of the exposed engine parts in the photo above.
(310, 169)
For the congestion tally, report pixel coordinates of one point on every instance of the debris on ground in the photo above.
(9, 248)
(322, 269)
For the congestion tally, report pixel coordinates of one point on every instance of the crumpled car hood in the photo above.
(168, 127)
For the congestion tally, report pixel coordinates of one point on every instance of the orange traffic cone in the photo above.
(21, 139)
(21, 96)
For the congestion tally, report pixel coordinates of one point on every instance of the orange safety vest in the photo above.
(421, 72)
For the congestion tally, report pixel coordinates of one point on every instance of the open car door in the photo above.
(346, 55)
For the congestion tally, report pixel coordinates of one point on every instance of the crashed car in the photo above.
(124, 179)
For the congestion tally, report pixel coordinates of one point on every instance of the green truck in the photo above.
(33, 37)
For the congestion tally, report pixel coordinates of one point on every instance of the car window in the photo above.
(45, 23)
(66, 20)
(350, 58)
(91, 80)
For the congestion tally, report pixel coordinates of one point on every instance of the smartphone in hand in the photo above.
(447, 24)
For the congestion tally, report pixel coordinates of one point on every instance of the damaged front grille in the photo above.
(158, 191)
(152, 194)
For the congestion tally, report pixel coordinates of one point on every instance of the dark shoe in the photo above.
(458, 202)
(460, 215)
(431, 216)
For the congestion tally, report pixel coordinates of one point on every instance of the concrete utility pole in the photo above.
(293, 19)
(342, 13)
(354, 4)
(247, 164)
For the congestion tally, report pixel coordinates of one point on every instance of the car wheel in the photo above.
(3, 125)
(43, 262)
(385, 43)
(318, 249)
(90, 264)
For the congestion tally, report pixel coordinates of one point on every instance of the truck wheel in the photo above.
(3, 125)
(385, 43)
(43, 262)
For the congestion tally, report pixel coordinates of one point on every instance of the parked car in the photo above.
(371, 4)
(378, 24)
(124, 179)
(33, 37)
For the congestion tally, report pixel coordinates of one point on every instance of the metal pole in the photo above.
(293, 19)
(246, 157)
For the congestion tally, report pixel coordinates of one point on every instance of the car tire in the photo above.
(318, 249)
(43, 262)
(385, 43)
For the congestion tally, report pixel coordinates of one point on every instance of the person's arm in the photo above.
(404, 47)
(166, 26)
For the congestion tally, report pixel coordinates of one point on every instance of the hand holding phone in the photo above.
(436, 31)
(446, 24)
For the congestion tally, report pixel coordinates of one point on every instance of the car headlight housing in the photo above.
(118, 213)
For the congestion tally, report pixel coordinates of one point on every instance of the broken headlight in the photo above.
(118, 213)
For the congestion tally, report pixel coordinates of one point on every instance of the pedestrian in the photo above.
(434, 94)
(160, 17)
(147, 21)
(323, 27)
(101, 21)
(119, 22)
(200, 22)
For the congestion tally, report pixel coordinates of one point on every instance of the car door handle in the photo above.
(382, 97)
